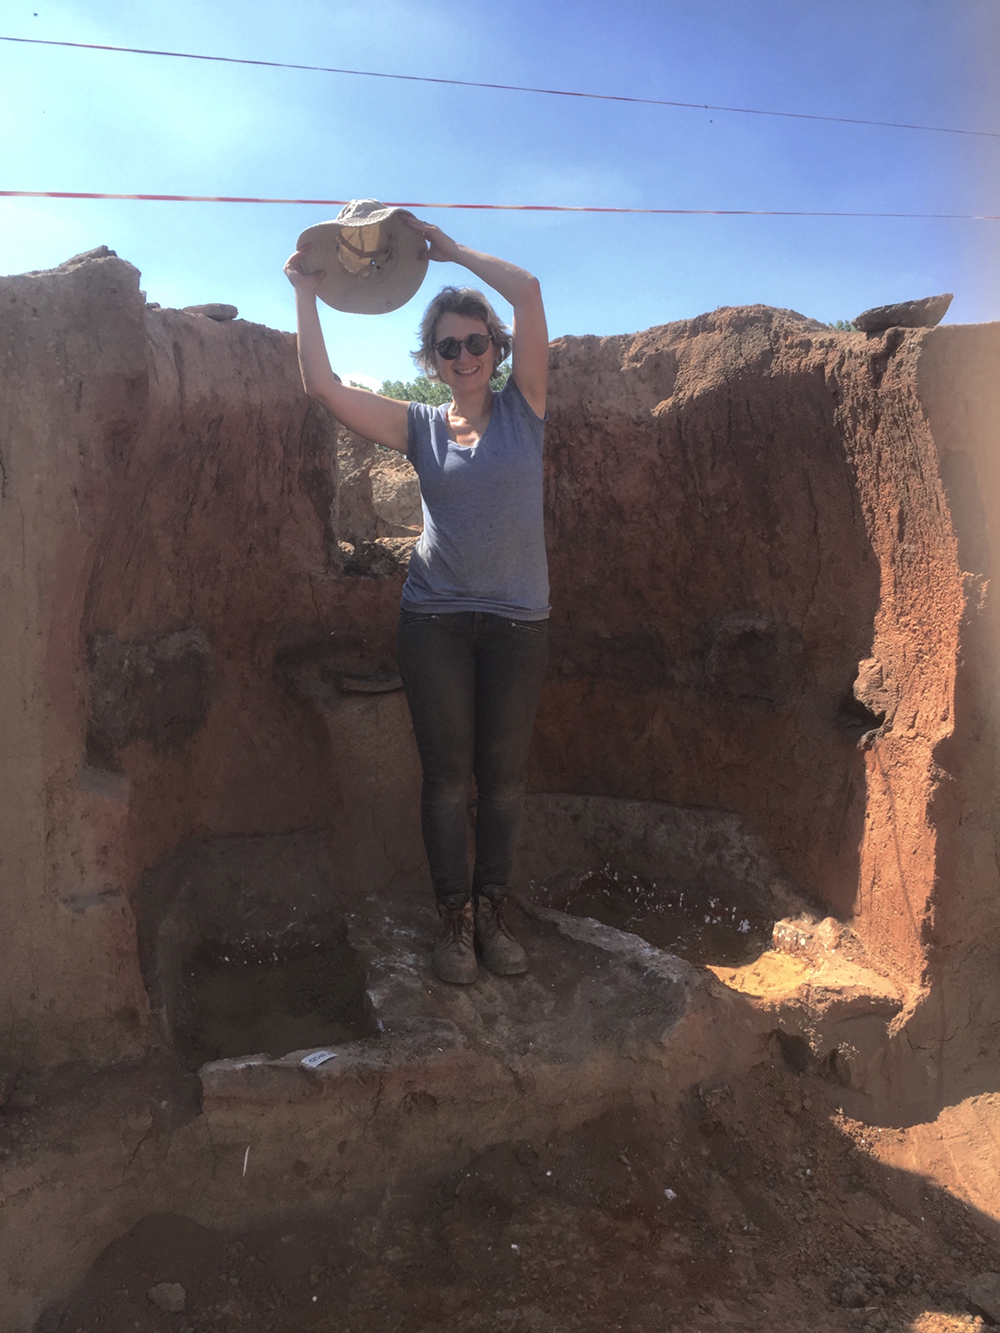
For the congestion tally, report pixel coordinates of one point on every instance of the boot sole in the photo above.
(467, 980)
(506, 971)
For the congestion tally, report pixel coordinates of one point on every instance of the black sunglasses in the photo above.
(450, 349)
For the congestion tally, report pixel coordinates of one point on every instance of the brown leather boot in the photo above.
(500, 950)
(454, 952)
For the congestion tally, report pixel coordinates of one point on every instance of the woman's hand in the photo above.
(307, 283)
(439, 246)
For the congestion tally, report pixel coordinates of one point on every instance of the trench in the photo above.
(682, 1119)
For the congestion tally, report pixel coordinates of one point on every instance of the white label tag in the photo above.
(317, 1058)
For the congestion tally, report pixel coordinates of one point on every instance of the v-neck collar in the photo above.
(467, 448)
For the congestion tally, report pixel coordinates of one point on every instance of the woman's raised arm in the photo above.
(530, 357)
(383, 420)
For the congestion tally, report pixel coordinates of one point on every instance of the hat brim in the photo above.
(385, 284)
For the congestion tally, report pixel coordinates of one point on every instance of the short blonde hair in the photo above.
(473, 304)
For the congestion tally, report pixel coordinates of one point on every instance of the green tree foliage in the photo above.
(423, 390)
(420, 390)
(843, 326)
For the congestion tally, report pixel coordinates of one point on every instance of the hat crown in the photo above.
(359, 211)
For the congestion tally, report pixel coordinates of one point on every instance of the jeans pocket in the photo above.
(532, 627)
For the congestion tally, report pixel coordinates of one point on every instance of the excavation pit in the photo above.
(247, 950)
(696, 921)
(250, 1001)
(690, 881)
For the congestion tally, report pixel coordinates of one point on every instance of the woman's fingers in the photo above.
(438, 242)
(294, 271)
(440, 245)
(425, 229)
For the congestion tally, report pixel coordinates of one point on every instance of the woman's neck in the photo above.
(475, 406)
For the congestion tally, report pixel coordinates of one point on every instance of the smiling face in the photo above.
(467, 371)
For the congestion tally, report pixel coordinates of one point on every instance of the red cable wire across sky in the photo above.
(502, 87)
(519, 208)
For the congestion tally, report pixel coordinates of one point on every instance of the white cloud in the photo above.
(359, 377)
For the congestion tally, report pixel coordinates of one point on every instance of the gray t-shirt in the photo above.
(483, 544)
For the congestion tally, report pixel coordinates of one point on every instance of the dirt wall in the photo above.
(959, 391)
(74, 392)
(169, 557)
(757, 597)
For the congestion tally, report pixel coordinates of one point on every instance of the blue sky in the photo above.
(78, 120)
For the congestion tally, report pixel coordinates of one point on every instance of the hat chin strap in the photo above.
(369, 258)
(362, 254)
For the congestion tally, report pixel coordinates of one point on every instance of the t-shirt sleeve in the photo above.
(519, 404)
(418, 425)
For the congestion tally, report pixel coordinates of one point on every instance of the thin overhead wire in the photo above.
(506, 87)
(506, 208)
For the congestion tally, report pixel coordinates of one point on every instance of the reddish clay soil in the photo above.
(783, 1219)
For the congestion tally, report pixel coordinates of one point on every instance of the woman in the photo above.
(473, 630)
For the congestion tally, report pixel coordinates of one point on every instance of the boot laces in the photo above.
(496, 916)
(457, 924)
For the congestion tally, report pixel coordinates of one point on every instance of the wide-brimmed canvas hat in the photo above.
(374, 260)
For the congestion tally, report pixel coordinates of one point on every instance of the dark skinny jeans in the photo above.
(472, 681)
